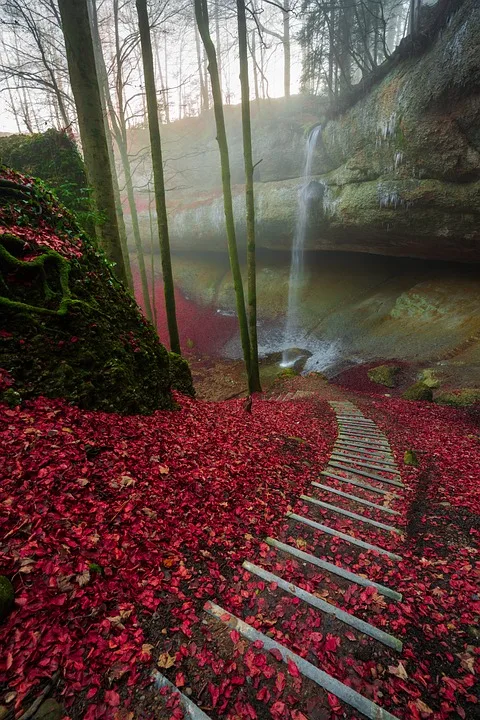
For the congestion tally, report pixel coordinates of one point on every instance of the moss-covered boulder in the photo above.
(418, 391)
(410, 458)
(180, 375)
(384, 375)
(68, 327)
(7, 597)
(466, 397)
(53, 157)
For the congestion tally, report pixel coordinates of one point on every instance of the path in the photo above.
(361, 483)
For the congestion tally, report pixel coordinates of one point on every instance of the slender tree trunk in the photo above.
(203, 81)
(85, 88)
(286, 48)
(218, 44)
(152, 258)
(158, 178)
(254, 380)
(254, 61)
(104, 96)
(201, 13)
(167, 94)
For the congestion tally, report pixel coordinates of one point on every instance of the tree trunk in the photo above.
(253, 53)
(104, 97)
(218, 44)
(84, 82)
(158, 178)
(201, 13)
(204, 103)
(254, 380)
(286, 48)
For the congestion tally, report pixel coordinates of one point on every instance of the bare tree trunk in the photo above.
(104, 95)
(254, 61)
(254, 379)
(201, 13)
(158, 178)
(204, 103)
(167, 94)
(218, 44)
(286, 48)
(152, 258)
(84, 82)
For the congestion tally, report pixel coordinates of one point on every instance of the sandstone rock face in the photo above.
(397, 174)
(357, 307)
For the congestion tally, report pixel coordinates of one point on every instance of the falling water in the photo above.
(297, 264)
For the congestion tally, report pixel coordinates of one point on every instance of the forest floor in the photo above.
(117, 530)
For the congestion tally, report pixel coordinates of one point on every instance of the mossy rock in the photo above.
(70, 329)
(7, 597)
(180, 375)
(384, 375)
(410, 458)
(418, 391)
(459, 398)
(429, 378)
(288, 372)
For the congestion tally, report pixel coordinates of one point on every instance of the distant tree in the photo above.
(255, 385)
(86, 91)
(158, 178)
(203, 22)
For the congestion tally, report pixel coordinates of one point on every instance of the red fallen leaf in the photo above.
(293, 669)
(277, 709)
(235, 636)
(280, 682)
(276, 654)
(334, 703)
(179, 679)
(112, 698)
(91, 692)
(297, 715)
(214, 693)
(237, 680)
(264, 694)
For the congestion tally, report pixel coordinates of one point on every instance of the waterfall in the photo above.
(292, 328)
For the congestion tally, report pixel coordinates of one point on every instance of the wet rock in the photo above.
(49, 710)
(7, 597)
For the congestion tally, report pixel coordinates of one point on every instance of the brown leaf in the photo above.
(166, 661)
(423, 708)
(399, 671)
(83, 578)
(163, 469)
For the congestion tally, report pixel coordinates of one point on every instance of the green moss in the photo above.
(95, 568)
(459, 398)
(11, 397)
(410, 458)
(180, 375)
(54, 158)
(70, 328)
(384, 375)
(418, 391)
(287, 373)
(429, 379)
(7, 597)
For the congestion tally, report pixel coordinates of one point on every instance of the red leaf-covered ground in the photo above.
(116, 530)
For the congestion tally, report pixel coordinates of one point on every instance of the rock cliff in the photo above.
(397, 174)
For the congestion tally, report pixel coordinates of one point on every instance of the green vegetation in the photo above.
(410, 458)
(459, 398)
(418, 391)
(288, 372)
(429, 378)
(7, 596)
(180, 375)
(53, 157)
(384, 375)
(69, 327)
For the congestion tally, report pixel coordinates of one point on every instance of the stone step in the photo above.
(321, 678)
(343, 536)
(190, 710)
(347, 513)
(362, 463)
(363, 456)
(385, 450)
(357, 483)
(378, 443)
(325, 607)
(355, 498)
(334, 569)
(364, 473)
